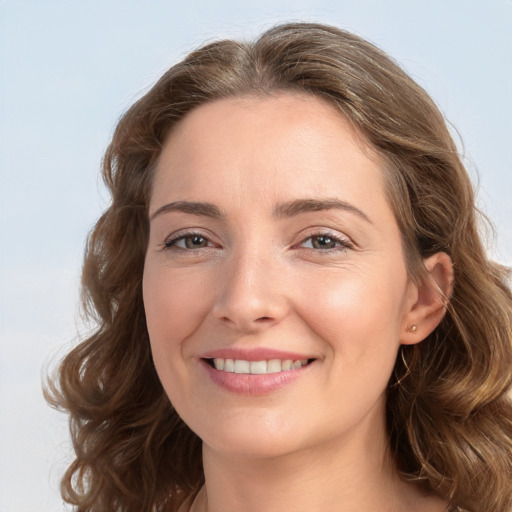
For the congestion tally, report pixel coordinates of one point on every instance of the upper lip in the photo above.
(254, 354)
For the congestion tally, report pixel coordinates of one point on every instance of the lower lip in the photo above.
(253, 385)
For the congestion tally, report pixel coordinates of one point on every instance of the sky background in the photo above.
(69, 69)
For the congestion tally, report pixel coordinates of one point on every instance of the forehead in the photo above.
(280, 147)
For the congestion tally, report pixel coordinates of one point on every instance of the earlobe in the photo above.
(431, 299)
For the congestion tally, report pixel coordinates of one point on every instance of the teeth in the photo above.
(287, 365)
(257, 367)
(242, 366)
(274, 366)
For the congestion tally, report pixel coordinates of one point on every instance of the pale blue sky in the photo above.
(68, 69)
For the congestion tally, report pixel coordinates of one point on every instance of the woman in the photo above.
(295, 310)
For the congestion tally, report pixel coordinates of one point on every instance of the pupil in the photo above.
(323, 242)
(194, 242)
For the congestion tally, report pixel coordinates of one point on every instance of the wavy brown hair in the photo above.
(449, 419)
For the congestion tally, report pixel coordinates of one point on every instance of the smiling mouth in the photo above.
(242, 366)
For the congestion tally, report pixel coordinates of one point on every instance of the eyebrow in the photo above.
(192, 207)
(284, 210)
(299, 206)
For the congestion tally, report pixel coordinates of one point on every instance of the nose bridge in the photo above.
(250, 293)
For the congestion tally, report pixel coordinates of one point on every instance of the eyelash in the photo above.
(171, 244)
(342, 244)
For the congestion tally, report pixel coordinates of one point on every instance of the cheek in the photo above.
(173, 302)
(175, 306)
(356, 313)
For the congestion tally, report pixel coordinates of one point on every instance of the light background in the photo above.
(69, 69)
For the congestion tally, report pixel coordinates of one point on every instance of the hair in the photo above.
(449, 421)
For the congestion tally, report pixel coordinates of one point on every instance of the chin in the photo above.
(253, 436)
(260, 447)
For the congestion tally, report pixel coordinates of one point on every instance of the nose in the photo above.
(250, 294)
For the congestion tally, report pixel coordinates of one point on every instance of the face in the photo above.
(274, 286)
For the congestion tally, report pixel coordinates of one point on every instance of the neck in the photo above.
(342, 475)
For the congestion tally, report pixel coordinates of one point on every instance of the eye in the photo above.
(188, 241)
(325, 242)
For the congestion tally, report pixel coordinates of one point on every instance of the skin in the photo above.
(261, 280)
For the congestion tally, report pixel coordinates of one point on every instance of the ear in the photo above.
(428, 299)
